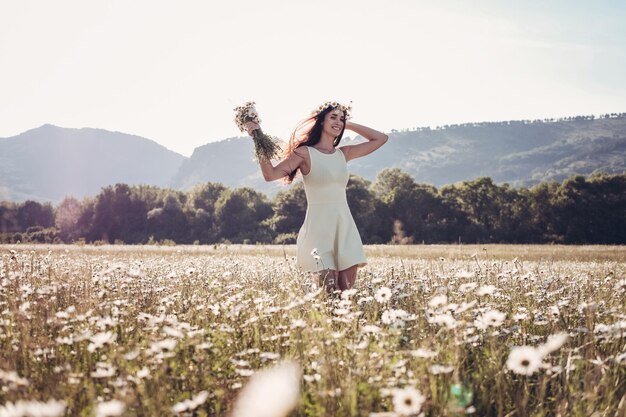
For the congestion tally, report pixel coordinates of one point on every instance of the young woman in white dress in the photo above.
(328, 242)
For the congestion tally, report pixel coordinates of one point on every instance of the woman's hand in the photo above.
(375, 140)
(251, 127)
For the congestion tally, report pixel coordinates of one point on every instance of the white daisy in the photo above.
(272, 356)
(341, 311)
(465, 306)
(441, 369)
(444, 320)
(273, 392)
(464, 274)
(520, 316)
(423, 353)
(386, 317)
(370, 328)
(244, 372)
(298, 323)
(467, 286)
(51, 408)
(110, 408)
(486, 290)
(407, 401)
(620, 285)
(437, 301)
(553, 343)
(524, 360)
(104, 370)
(491, 318)
(383, 295)
(348, 293)
(191, 404)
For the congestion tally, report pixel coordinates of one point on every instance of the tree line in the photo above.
(515, 122)
(392, 209)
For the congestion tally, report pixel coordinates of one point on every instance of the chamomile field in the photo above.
(450, 330)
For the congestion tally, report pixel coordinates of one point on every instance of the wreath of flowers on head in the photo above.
(335, 105)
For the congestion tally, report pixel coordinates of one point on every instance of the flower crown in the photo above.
(335, 105)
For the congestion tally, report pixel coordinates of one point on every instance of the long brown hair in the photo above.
(308, 133)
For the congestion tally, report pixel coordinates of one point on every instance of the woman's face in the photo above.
(333, 122)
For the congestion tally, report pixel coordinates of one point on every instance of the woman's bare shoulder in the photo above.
(303, 153)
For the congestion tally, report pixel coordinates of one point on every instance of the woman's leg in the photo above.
(327, 278)
(347, 278)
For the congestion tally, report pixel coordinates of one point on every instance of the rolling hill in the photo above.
(50, 162)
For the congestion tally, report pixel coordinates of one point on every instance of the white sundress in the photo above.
(328, 226)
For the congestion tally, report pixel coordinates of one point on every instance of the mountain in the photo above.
(521, 153)
(50, 162)
(230, 162)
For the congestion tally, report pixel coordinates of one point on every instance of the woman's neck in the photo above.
(326, 142)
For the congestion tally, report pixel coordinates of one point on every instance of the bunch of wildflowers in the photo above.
(266, 147)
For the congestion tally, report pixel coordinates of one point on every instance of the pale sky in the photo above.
(173, 71)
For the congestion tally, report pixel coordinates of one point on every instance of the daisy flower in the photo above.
(553, 343)
(491, 318)
(437, 301)
(486, 290)
(272, 392)
(407, 401)
(524, 360)
(110, 408)
(383, 295)
(191, 404)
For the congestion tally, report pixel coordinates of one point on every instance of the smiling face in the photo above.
(334, 122)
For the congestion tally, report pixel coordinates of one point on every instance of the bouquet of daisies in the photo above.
(265, 147)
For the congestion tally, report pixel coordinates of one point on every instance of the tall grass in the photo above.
(180, 330)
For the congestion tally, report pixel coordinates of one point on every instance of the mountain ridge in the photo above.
(49, 162)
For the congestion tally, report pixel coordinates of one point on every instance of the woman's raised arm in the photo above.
(285, 167)
(375, 140)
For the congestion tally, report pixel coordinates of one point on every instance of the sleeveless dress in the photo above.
(328, 229)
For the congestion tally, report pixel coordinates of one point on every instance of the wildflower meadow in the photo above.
(495, 330)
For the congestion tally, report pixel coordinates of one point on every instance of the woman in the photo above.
(328, 242)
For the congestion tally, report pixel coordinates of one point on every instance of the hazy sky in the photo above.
(172, 71)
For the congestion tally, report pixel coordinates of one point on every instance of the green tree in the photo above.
(520, 227)
(204, 196)
(8, 217)
(487, 207)
(201, 199)
(84, 225)
(31, 213)
(289, 209)
(545, 215)
(169, 221)
(119, 215)
(370, 216)
(608, 209)
(415, 208)
(242, 215)
(591, 211)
